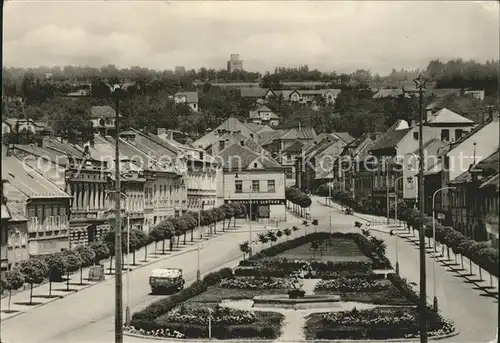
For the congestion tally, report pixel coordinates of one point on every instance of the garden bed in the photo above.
(364, 289)
(381, 323)
(185, 314)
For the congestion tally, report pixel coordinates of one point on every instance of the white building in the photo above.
(188, 98)
(255, 180)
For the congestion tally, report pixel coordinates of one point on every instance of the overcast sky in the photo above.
(330, 35)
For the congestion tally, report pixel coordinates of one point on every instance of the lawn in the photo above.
(338, 250)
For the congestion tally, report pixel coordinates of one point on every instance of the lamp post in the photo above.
(435, 300)
(118, 230)
(420, 82)
(396, 220)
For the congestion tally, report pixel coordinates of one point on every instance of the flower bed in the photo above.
(254, 283)
(353, 284)
(368, 290)
(379, 323)
(200, 316)
(216, 294)
(162, 319)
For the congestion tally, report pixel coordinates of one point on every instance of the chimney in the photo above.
(161, 132)
(170, 134)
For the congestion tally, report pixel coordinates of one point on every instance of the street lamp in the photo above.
(420, 83)
(435, 300)
(116, 92)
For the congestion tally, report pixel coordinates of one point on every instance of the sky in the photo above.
(327, 35)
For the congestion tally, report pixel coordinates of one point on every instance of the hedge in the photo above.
(267, 326)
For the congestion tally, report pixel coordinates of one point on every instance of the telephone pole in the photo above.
(420, 82)
(118, 230)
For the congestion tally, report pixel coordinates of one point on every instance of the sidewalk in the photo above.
(20, 299)
(471, 272)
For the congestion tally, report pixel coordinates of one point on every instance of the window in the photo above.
(242, 143)
(255, 165)
(458, 133)
(415, 135)
(255, 186)
(222, 145)
(176, 213)
(289, 173)
(271, 187)
(238, 186)
(445, 135)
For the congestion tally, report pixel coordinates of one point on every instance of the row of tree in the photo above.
(57, 265)
(480, 253)
(455, 73)
(298, 199)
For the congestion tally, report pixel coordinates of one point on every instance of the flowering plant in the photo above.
(353, 284)
(254, 283)
(156, 333)
(200, 316)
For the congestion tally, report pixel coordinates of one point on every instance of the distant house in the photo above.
(388, 93)
(253, 93)
(264, 116)
(103, 117)
(478, 94)
(188, 98)
(13, 124)
(305, 96)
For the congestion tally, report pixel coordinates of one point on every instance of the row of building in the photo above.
(377, 169)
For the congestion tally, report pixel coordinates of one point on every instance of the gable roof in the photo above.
(25, 182)
(445, 116)
(299, 133)
(97, 112)
(253, 92)
(191, 97)
(492, 181)
(490, 163)
(295, 147)
(390, 139)
(344, 136)
(231, 125)
(237, 157)
(255, 127)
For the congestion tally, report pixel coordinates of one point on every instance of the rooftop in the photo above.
(445, 116)
(238, 157)
(390, 139)
(191, 97)
(97, 112)
(253, 92)
(24, 182)
(297, 146)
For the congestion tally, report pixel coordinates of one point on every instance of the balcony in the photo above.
(53, 225)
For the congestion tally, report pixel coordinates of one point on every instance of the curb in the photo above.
(394, 340)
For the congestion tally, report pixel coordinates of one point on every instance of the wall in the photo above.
(263, 176)
(17, 242)
(278, 212)
(462, 156)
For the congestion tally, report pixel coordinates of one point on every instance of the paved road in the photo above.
(475, 315)
(88, 316)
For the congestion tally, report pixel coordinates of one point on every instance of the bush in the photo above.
(254, 283)
(353, 284)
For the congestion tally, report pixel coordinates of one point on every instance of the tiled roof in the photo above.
(299, 133)
(237, 157)
(295, 147)
(253, 92)
(433, 147)
(45, 153)
(70, 149)
(16, 212)
(191, 97)
(23, 181)
(462, 178)
(445, 116)
(255, 127)
(492, 181)
(231, 125)
(102, 112)
(490, 163)
(390, 139)
(237, 137)
(267, 137)
(345, 136)
(284, 93)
